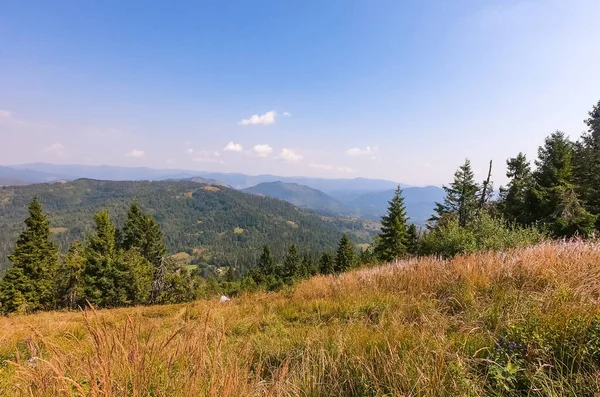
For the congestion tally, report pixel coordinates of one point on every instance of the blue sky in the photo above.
(387, 89)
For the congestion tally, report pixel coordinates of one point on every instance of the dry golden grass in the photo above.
(423, 327)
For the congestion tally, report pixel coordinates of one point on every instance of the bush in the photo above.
(484, 233)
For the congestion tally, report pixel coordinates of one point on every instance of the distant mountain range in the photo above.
(419, 201)
(356, 197)
(44, 172)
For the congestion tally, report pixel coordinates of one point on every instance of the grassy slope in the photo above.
(423, 328)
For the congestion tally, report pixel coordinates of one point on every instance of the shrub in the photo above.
(484, 233)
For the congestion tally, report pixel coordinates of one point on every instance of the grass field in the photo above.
(524, 322)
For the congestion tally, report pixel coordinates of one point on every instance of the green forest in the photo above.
(108, 266)
(218, 226)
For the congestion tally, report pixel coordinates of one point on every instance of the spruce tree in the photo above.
(461, 197)
(344, 258)
(142, 232)
(513, 199)
(291, 264)
(29, 284)
(266, 265)
(326, 263)
(69, 279)
(393, 237)
(412, 240)
(554, 200)
(587, 164)
(102, 267)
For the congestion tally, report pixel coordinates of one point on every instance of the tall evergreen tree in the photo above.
(412, 240)
(461, 196)
(587, 164)
(69, 278)
(344, 258)
(291, 264)
(326, 263)
(393, 237)
(266, 265)
(29, 284)
(554, 199)
(101, 269)
(513, 199)
(142, 232)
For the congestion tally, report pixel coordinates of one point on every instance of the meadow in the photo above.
(524, 322)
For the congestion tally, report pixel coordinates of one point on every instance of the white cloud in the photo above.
(169, 161)
(57, 149)
(287, 114)
(267, 118)
(367, 152)
(262, 150)
(136, 153)
(5, 114)
(233, 147)
(330, 167)
(290, 155)
(189, 151)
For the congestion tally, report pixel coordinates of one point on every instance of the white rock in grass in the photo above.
(224, 299)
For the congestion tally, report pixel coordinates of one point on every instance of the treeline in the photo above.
(559, 198)
(116, 267)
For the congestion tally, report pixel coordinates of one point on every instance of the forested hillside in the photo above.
(224, 225)
(301, 196)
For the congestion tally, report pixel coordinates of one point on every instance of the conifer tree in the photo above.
(344, 258)
(461, 197)
(69, 278)
(142, 232)
(513, 199)
(326, 263)
(587, 164)
(29, 284)
(393, 237)
(412, 240)
(307, 267)
(291, 264)
(554, 200)
(101, 269)
(266, 265)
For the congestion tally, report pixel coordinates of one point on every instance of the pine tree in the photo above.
(393, 237)
(141, 231)
(326, 264)
(513, 199)
(102, 268)
(412, 240)
(291, 264)
(69, 278)
(344, 258)
(587, 164)
(29, 284)
(266, 265)
(135, 276)
(461, 197)
(553, 199)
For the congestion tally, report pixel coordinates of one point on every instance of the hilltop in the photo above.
(481, 324)
(301, 196)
